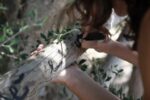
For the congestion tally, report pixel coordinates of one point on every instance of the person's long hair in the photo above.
(93, 13)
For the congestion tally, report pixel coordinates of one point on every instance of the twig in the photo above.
(25, 28)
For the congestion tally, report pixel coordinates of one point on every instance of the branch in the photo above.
(36, 72)
(23, 29)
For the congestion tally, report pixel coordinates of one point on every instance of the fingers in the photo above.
(89, 44)
(39, 49)
(85, 34)
(34, 53)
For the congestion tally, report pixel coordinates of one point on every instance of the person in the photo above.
(94, 14)
(78, 82)
(139, 12)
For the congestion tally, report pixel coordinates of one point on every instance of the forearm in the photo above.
(144, 58)
(144, 54)
(118, 49)
(85, 88)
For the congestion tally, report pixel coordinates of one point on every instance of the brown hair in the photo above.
(94, 13)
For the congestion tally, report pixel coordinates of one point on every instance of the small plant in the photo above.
(58, 35)
(102, 76)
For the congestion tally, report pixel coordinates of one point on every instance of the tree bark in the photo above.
(25, 81)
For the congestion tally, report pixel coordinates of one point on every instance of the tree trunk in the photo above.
(29, 78)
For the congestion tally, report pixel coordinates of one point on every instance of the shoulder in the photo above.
(145, 24)
(147, 15)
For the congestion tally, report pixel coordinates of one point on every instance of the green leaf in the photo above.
(115, 65)
(24, 56)
(113, 90)
(120, 91)
(43, 36)
(9, 31)
(83, 67)
(38, 41)
(3, 37)
(8, 49)
(104, 75)
(33, 14)
(23, 28)
(11, 49)
(121, 70)
(101, 70)
(2, 7)
(50, 34)
(1, 57)
(42, 22)
(13, 42)
(108, 78)
(82, 61)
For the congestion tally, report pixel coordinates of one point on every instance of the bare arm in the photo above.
(83, 86)
(144, 54)
(114, 48)
(122, 51)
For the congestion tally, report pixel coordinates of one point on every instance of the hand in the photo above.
(95, 39)
(39, 49)
(89, 44)
(103, 46)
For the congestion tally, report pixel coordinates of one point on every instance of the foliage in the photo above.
(11, 37)
(9, 50)
(58, 35)
(100, 75)
(10, 41)
(2, 7)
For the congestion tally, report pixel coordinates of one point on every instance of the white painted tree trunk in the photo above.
(28, 79)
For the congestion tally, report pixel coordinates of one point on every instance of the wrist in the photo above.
(68, 76)
(102, 47)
